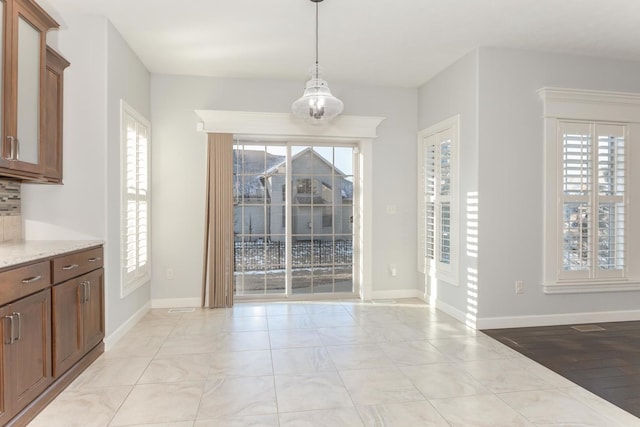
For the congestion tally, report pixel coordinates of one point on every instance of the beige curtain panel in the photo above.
(217, 277)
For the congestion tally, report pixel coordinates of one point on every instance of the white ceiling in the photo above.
(375, 42)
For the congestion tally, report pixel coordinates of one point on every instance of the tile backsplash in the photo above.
(11, 228)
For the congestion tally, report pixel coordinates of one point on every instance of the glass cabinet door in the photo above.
(28, 92)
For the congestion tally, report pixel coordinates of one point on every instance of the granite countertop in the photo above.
(14, 253)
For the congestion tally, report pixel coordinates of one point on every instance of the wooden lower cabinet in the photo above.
(51, 329)
(78, 319)
(26, 352)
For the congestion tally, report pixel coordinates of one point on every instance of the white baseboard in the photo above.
(117, 335)
(175, 302)
(398, 294)
(454, 312)
(557, 319)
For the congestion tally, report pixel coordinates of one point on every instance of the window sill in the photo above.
(583, 287)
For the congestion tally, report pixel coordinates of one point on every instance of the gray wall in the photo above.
(103, 70)
(511, 176)
(453, 92)
(179, 171)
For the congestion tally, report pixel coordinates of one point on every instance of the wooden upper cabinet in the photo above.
(24, 91)
(52, 137)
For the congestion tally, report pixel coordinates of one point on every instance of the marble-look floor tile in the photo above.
(402, 414)
(294, 321)
(306, 392)
(346, 335)
(247, 421)
(171, 424)
(177, 368)
(252, 363)
(379, 386)
(106, 372)
(135, 346)
(473, 348)
(601, 406)
(505, 375)
(359, 357)
(248, 323)
(443, 380)
(301, 360)
(82, 408)
(285, 309)
(199, 327)
(555, 407)
(294, 338)
(402, 363)
(343, 417)
(331, 320)
(156, 403)
(238, 396)
(247, 310)
(324, 308)
(191, 344)
(479, 411)
(410, 353)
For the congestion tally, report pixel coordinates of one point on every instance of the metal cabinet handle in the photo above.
(19, 328)
(31, 279)
(88, 291)
(94, 259)
(70, 267)
(85, 291)
(11, 330)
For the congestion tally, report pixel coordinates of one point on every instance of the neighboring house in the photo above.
(322, 198)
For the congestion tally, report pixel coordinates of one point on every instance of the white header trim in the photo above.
(285, 125)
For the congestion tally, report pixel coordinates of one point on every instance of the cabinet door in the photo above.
(25, 26)
(31, 352)
(52, 137)
(5, 362)
(67, 316)
(93, 324)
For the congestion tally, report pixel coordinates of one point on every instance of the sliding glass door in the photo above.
(294, 218)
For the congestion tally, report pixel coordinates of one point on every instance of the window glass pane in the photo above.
(577, 157)
(445, 168)
(343, 160)
(611, 165)
(445, 233)
(611, 236)
(320, 215)
(577, 237)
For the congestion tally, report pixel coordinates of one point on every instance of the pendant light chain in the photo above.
(317, 32)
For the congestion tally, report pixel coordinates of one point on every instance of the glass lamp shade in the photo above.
(317, 105)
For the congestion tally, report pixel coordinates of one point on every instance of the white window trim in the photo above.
(444, 272)
(127, 286)
(590, 106)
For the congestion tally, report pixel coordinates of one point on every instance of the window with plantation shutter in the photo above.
(437, 211)
(135, 199)
(588, 208)
(593, 190)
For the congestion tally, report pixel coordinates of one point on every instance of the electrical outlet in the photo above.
(170, 273)
(519, 287)
(393, 270)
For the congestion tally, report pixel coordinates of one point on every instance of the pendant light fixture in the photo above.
(317, 105)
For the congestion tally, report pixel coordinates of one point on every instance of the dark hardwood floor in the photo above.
(605, 361)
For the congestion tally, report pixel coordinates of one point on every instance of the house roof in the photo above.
(373, 42)
(274, 168)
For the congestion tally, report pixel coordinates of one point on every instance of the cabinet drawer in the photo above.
(69, 266)
(23, 281)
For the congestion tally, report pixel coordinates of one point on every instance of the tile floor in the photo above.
(320, 364)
